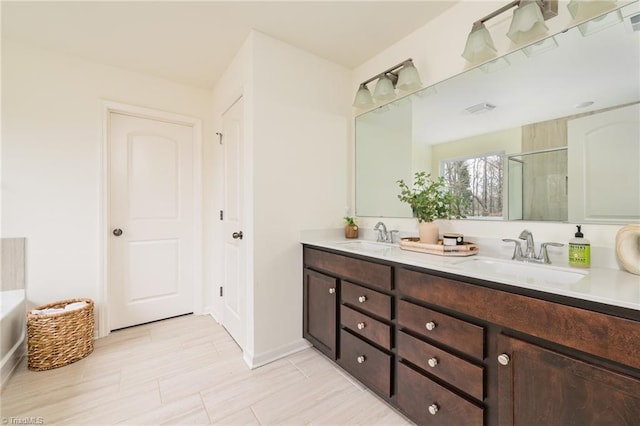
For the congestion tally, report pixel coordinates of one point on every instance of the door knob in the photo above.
(117, 232)
(237, 235)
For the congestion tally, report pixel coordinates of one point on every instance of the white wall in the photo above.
(436, 49)
(297, 116)
(301, 161)
(52, 131)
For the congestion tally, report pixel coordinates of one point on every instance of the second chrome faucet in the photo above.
(529, 254)
(384, 236)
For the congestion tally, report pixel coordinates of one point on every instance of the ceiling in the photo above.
(194, 42)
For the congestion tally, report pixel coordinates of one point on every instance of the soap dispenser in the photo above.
(579, 250)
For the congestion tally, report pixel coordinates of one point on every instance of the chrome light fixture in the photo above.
(586, 9)
(363, 97)
(600, 23)
(408, 78)
(385, 88)
(541, 46)
(527, 24)
(479, 45)
(403, 76)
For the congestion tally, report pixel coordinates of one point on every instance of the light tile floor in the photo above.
(188, 370)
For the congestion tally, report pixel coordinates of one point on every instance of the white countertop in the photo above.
(609, 286)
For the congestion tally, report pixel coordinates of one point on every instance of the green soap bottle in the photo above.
(579, 250)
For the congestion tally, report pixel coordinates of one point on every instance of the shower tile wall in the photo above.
(545, 195)
(12, 264)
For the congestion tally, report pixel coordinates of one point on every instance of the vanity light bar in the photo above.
(403, 76)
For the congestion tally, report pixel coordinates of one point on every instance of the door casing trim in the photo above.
(109, 107)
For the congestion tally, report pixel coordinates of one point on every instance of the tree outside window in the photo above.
(478, 183)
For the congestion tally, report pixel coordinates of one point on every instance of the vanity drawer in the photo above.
(366, 363)
(367, 300)
(361, 324)
(456, 371)
(416, 395)
(458, 334)
(358, 270)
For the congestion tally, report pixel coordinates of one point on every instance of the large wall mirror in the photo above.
(549, 132)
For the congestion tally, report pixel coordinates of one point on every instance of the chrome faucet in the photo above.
(383, 234)
(530, 251)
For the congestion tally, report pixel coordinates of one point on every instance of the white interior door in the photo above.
(234, 293)
(151, 217)
(604, 153)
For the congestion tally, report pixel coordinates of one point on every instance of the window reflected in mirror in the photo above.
(478, 183)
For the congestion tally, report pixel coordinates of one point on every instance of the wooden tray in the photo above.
(414, 244)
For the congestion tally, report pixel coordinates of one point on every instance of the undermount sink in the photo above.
(367, 246)
(521, 271)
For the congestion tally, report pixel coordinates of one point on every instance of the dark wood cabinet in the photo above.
(464, 375)
(445, 329)
(366, 363)
(538, 386)
(426, 402)
(447, 350)
(320, 295)
(363, 325)
(364, 299)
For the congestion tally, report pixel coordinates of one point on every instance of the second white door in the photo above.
(234, 315)
(151, 215)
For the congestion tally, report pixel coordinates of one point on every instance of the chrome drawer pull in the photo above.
(362, 299)
(332, 290)
(361, 325)
(361, 359)
(430, 325)
(433, 409)
(503, 359)
(432, 362)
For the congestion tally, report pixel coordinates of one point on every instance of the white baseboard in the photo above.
(258, 360)
(208, 311)
(11, 361)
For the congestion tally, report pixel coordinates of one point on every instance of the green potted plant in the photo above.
(429, 200)
(351, 227)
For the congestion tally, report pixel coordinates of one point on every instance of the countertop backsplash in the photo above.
(601, 256)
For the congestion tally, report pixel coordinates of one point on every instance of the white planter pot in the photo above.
(428, 232)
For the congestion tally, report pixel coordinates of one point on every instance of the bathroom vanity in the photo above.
(447, 348)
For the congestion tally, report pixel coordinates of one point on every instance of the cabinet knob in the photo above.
(332, 290)
(503, 359)
(433, 409)
(361, 325)
(361, 359)
(362, 299)
(432, 362)
(430, 325)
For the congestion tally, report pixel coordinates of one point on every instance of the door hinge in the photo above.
(220, 291)
(221, 214)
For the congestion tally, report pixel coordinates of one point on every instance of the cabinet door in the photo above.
(538, 386)
(320, 305)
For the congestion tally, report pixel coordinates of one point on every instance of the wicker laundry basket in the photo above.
(58, 339)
